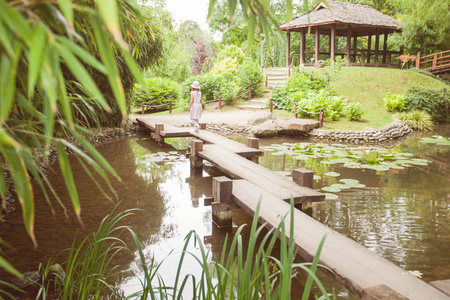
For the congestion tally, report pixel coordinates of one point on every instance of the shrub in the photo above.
(395, 103)
(226, 65)
(249, 75)
(232, 51)
(436, 102)
(312, 102)
(417, 119)
(160, 91)
(212, 86)
(353, 111)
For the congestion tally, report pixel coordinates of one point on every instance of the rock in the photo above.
(264, 130)
(261, 117)
(295, 126)
(29, 279)
(57, 269)
(212, 105)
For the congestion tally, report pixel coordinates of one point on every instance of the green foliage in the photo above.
(394, 103)
(420, 71)
(225, 65)
(353, 111)
(249, 75)
(417, 119)
(231, 51)
(436, 102)
(212, 87)
(312, 102)
(157, 91)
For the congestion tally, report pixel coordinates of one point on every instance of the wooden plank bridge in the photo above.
(437, 63)
(361, 271)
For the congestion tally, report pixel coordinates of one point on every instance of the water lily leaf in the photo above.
(359, 185)
(349, 181)
(329, 196)
(332, 174)
(328, 162)
(405, 154)
(437, 136)
(316, 177)
(173, 152)
(331, 189)
(340, 186)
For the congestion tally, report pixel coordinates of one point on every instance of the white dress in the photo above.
(196, 107)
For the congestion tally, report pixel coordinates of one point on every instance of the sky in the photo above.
(195, 10)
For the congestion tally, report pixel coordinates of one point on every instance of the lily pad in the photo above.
(329, 196)
(341, 186)
(331, 189)
(316, 177)
(359, 185)
(173, 152)
(349, 181)
(332, 174)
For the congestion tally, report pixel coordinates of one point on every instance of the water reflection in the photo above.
(402, 215)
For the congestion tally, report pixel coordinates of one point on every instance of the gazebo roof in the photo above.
(343, 13)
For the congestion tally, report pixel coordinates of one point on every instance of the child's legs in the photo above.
(196, 123)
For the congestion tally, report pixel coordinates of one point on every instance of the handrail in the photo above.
(433, 61)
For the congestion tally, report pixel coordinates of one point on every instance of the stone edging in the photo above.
(394, 130)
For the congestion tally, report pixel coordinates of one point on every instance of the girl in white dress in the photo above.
(195, 107)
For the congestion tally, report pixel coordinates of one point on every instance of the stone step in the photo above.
(258, 101)
(250, 107)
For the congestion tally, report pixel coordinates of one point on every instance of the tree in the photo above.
(62, 64)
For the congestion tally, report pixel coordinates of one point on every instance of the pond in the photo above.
(401, 214)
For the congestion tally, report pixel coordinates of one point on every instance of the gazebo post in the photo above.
(355, 39)
(369, 47)
(349, 40)
(288, 46)
(385, 47)
(316, 45)
(377, 46)
(333, 42)
(302, 47)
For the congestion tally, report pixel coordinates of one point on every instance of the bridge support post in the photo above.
(303, 177)
(202, 125)
(196, 161)
(380, 292)
(222, 213)
(253, 143)
(157, 134)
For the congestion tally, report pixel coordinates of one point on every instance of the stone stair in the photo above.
(276, 77)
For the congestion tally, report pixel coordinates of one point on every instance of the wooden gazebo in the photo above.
(345, 20)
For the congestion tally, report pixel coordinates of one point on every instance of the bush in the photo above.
(231, 51)
(394, 103)
(249, 75)
(435, 102)
(312, 102)
(212, 86)
(226, 65)
(160, 91)
(417, 119)
(353, 111)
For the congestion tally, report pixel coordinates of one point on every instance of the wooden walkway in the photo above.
(360, 270)
(357, 268)
(240, 168)
(437, 63)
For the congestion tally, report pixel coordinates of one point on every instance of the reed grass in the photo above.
(245, 269)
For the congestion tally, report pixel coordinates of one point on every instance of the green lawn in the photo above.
(368, 86)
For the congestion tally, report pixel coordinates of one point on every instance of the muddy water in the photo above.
(403, 216)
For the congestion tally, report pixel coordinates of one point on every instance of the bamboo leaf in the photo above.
(15, 21)
(5, 39)
(251, 31)
(109, 62)
(22, 184)
(8, 82)
(64, 100)
(66, 8)
(109, 13)
(68, 178)
(134, 68)
(83, 76)
(38, 40)
(210, 8)
(82, 54)
(8, 267)
(2, 187)
(289, 9)
(232, 8)
(49, 86)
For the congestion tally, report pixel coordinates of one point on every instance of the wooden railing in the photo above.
(434, 62)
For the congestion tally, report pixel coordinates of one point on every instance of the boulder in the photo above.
(261, 117)
(287, 126)
(264, 130)
(29, 278)
(212, 105)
